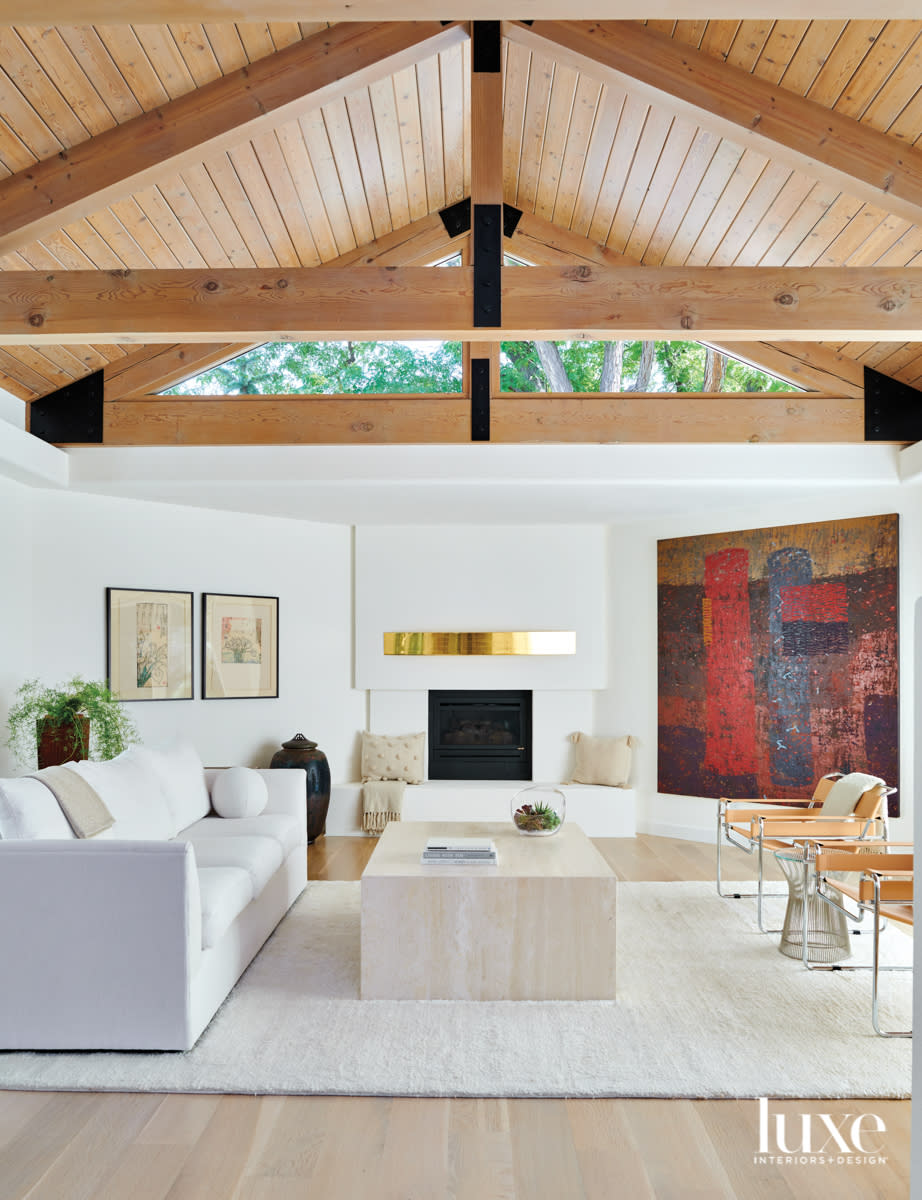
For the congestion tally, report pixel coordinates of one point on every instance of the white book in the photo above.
(462, 845)
(466, 861)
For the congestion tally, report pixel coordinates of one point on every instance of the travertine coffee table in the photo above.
(538, 926)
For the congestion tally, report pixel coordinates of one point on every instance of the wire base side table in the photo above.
(828, 939)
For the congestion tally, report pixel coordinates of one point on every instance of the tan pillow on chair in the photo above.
(393, 757)
(602, 760)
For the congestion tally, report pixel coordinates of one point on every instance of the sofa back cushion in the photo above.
(132, 793)
(28, 809)
(181, 776)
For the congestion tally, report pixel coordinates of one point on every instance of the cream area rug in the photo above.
(705, 1006)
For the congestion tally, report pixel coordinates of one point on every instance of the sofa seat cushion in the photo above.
(287, 830)
(260, 857)
(225, 892)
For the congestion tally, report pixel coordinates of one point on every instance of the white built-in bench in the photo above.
(599, 811)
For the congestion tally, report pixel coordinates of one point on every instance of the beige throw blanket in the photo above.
(80, 803)
(382, 800)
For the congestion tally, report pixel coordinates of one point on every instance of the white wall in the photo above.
(469, 578)
(15, 598)
(83, 544)
(630, 703)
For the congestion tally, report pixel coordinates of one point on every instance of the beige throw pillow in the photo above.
(602, 760)
(393, 757)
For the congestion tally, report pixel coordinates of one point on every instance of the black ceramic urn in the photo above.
(301, 752)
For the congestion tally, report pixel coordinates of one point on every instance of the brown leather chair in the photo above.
(779, 824)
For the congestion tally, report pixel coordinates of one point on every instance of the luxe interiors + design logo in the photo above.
(849, 1139)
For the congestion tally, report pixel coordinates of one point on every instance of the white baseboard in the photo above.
(688, 833)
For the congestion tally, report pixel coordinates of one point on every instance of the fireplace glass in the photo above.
(480, 735)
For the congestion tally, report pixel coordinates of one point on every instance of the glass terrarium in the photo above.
(538, 811)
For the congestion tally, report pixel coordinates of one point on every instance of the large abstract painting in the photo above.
(778, 658)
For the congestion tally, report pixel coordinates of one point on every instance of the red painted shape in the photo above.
(730, 746)
(814, 602)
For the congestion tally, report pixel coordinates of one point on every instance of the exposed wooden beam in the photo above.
(728, 303)
(286, 420)
(862, 161)
(66, 12)
(367, 420)
(685, 417)
(78, 181)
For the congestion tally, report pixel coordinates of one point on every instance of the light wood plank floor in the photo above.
(56, 1146)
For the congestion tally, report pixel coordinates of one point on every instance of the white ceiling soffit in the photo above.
(478, 484)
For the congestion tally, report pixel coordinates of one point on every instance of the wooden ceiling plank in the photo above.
(68, 77)
(16, 388)
(314, 132)
(836, 218)
(390, 149)
(298, 163)
(134, 220)
(166, 59)
(68, 254)
(108, 227)
(451, 78)
(748, 43)
(197, 125)
(844, 61)
(39, 91)
(91, 53)
(598, 153)
(780, 124)
(429, 87)
(819, 199)
(206, 196)
(757, 205)
(780, 47)
(738, 304)
(717, 176)
(339, 133)
(360, 130)
(718, 38)
(679, 142)
(406, 94)
(631, 124)
(879, 243)
(274, 167)
(589, 95)
(192, 220)
(234, 196)
(265, 208)
(540, 79)
(802, 71)
(899, 96)
(515, 93)
(96, 249)
(898, 359)
(903, 251)
(559, 111)
(14, 156)
(690, 32)
(287, 420)
(34, 358)
(40, 258)
(133, 65)
(226, 46)
(308, 28)
(256, 39)
(745, 177)
(196, 50)
(682, 192)
(788, 202)
(689, 418)
(153, 204)
(885, 57)
(32, 135)
(284, 33)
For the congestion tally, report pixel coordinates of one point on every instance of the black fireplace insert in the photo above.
(479, 735)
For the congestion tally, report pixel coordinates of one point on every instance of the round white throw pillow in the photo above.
(239, 792)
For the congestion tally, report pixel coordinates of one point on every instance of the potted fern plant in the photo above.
(77, 719)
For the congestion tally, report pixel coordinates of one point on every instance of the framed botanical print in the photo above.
(240, 647)
(149, 644)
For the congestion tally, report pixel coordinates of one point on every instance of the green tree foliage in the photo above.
(312, 368)
(305, 368)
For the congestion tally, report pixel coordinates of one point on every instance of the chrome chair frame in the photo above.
(803, 814)
(876, 876)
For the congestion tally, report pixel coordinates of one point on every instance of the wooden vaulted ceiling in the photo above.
(774, 150)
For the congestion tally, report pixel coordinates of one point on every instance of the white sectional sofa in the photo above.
(133, 938)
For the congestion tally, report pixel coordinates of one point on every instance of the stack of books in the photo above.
(455, 850)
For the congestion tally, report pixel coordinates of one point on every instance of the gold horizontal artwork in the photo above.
(532, 642)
